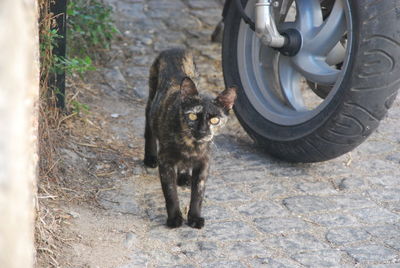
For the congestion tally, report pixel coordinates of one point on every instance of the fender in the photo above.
(226, 7)
(239, 6)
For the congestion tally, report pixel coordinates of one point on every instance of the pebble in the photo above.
(147, 41)
(137, 171)
(129, 240)
(74, 214)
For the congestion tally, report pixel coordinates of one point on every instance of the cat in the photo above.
(182, 123)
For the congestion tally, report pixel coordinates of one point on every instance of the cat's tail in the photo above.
(153, 79)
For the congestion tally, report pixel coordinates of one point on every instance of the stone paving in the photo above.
(260, 212)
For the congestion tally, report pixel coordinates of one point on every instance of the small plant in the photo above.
(74, 65)
(57, 64)
(90, 26)
(79, 108)
(48, 40)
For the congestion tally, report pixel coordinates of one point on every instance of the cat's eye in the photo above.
(214, 120)
(192, 116)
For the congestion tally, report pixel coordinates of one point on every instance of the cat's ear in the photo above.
(227, 98)
(188, 88)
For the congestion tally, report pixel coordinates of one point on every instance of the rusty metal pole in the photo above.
(57, 79)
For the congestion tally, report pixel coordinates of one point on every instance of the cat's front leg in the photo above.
(199, 178)
(168, 179)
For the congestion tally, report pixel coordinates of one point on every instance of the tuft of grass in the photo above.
(79, 108)
(74, 65)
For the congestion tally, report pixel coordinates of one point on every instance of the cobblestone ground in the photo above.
(260, 212)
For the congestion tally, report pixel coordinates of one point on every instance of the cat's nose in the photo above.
(204, 133)
(201, 135)
(205, 138)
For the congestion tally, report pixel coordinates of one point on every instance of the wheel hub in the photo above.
(293, 84)
(292, 42)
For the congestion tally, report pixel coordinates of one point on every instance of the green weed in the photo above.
(75, 65)
(79, 108)
(90, 26)
(48, 40)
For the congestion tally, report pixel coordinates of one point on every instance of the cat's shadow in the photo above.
(230, 150)
(227, 144)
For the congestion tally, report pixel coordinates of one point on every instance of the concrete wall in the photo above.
(19, 86)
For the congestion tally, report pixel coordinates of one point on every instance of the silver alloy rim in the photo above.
(275, 84)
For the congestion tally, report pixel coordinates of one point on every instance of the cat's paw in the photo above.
(184, 179)
(151, 161)
(175, 222)
(196, 222)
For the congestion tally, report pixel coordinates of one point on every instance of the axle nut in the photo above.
(292, 42)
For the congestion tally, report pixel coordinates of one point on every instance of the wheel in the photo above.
(330, 96)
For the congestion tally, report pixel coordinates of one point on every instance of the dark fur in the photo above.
(183, 153)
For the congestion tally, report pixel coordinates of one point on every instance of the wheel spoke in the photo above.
(289, 80)
(330, 32)
(315, 69)
(336, 55)
(309, 15)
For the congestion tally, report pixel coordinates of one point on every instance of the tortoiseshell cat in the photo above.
(184, 123)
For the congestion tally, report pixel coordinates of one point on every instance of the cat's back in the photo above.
(166, 74)
(171, 66)
(176, 63)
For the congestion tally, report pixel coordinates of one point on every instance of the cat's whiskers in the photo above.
(213, 145)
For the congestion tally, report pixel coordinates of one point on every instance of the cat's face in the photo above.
(202, 116)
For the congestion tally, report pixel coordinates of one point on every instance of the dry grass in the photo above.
(48, 218)
(65, 180)
(47, 228)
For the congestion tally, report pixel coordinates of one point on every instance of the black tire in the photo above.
(362, 98)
